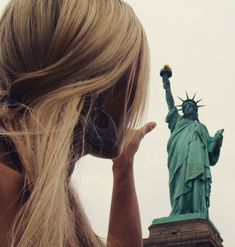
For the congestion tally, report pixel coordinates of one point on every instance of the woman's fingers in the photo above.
(136, 136)
(147, 128)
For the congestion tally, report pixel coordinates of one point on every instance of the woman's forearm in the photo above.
(124, 224)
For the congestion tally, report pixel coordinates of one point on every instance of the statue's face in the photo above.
(189, 110)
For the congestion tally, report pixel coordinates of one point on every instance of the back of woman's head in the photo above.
(59, 59)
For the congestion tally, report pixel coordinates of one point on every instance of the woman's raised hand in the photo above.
(126, 158)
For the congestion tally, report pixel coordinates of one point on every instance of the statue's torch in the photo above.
(166, 72)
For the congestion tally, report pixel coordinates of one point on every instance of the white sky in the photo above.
(197, 39)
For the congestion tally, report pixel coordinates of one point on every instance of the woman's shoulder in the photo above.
(11, 183)
(8, 174)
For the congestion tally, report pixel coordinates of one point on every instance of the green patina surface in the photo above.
(191, 152)
(183, 217)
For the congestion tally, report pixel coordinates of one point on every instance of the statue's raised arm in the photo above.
(166, 73)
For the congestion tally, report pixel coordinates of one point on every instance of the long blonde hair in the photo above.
(54, 54)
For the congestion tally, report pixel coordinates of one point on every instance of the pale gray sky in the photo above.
(197, 39)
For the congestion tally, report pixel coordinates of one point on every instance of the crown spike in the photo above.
(187, 94)
(201, 106)
(180, 99)
(194, 96)
(199, 100)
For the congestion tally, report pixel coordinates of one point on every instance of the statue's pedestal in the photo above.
(189, 230)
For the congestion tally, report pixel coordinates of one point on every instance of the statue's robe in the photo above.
(191, 151)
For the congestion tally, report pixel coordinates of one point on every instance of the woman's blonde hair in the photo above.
(56, 57)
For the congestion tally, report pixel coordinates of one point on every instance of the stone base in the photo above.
(183, 231)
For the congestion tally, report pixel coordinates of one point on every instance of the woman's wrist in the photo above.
(122, 170)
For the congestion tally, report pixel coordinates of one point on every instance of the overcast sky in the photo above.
(197, 39)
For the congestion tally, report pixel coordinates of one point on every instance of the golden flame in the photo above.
(166, 66)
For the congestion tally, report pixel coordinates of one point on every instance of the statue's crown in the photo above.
(188, 100)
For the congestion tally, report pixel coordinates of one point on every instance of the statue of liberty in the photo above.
(191, 152)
